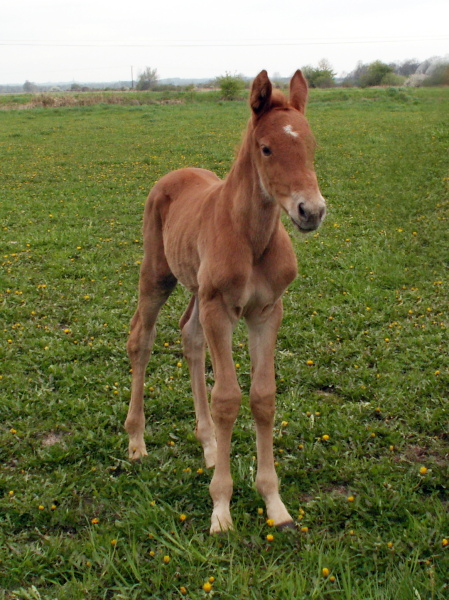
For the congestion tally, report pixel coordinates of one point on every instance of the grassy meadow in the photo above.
(362, 426)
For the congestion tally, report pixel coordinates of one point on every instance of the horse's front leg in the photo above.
(263, 328)
(225, 403)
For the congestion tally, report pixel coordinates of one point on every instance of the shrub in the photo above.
(231, 86)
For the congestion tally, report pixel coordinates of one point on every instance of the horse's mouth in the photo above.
(305, 229)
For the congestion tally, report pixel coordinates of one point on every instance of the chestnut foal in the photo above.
(224, 241)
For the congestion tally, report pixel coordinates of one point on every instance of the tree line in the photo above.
(431, 72)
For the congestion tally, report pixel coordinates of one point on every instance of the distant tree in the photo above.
(147, 79)
(375, 73)
(231, 86)
(322, 76)
(439, 75)
(407, 68)
(29, 87)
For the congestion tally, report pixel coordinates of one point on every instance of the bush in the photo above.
(375, 74)
(393, 79)
(231, 86)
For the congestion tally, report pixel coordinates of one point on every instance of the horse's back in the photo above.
(181, 182)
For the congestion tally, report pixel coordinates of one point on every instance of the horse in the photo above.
(225, 242)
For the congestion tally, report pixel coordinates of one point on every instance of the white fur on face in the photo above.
(289, 130)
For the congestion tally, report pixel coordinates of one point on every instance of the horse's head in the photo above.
(283, 149)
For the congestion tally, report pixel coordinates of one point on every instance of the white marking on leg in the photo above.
(289, 130)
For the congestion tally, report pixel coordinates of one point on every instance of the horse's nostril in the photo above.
(302, 212)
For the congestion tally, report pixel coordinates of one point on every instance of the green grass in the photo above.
(369, 308)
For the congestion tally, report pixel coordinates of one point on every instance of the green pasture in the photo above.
(362, 426)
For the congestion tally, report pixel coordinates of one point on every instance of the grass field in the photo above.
(362, 427)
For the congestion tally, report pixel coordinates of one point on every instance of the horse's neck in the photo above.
(256, 215)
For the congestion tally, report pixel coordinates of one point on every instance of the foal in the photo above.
(224, 241)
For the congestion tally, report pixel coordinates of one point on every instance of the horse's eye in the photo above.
(266, 151)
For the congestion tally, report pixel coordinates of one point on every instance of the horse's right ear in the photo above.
(260, 98)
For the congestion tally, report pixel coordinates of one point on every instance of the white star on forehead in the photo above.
(289, 130)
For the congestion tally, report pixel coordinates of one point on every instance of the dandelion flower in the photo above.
(166, 559)
(260, 511)
(270, 522)
(351, 498)
(325, 437)
(304, 529)
(183, 590)
(445, 542)
(423, 470)
(270, 537)
(95, 521)
(183, 517)
(325, 572)
(114, 542)
(207, 587)
(310, 363)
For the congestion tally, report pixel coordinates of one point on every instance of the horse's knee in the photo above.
(225, 404)
(262, 403)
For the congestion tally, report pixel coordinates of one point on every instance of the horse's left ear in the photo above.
(298, 91)
(260, 98)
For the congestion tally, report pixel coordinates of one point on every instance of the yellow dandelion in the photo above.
(445, 542)
(304, 529)
(350, 498)
(152, 553)
(95, 521)
(284, 423)
(211, 579)
(390, 545)
(183, 590)
(325, 437)
(166, 559)
(270, 522)
(41, 507)
(207, 587)
(182, 517)
(270, 537)
(200, 471)
(260, 511)
(325, 572)
(310, 363)
(423, 470)
(332, 578)
(11, 492)
(13, 431)
(114, 542)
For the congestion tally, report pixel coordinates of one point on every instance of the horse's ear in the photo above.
(298, 91)
(260, 98)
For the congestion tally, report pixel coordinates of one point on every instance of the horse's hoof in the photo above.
(287, 526)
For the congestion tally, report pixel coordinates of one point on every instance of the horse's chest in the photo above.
(266, 286)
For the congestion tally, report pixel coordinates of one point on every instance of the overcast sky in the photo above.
(102, 40)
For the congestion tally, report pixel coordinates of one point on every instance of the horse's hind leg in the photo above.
(194, 347)
(155, 285)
